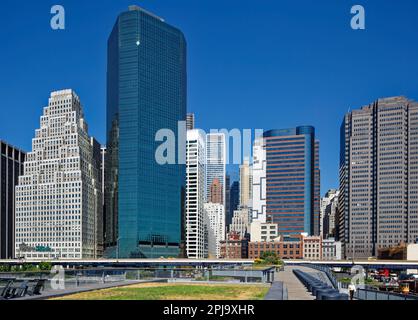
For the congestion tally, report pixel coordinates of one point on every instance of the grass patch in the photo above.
(164, 291)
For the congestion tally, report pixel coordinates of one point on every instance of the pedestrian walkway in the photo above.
(295, 289)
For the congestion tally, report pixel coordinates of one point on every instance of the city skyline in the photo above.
(279, 74)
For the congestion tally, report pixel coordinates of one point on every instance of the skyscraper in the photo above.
(215, 228)
(292, 180)
(216, 192)
(258, 187)
(329, 207)
(195, 195)
(234, 201)
(245, 179)
(146, 92)
(58, 198)
(215, 162)
(11, 167)
(378, 177)
(190, 121)
(227, 197)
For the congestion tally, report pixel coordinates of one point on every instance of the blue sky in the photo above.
(251, 64)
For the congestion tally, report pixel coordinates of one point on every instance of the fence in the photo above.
(365, 294)
(88, 277)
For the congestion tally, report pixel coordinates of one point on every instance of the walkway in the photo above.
(295, 289)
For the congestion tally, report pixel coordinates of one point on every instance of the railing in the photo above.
(364, 294)
(327, 271)
(87, 277)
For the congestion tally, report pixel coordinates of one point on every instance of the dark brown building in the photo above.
(216, 194)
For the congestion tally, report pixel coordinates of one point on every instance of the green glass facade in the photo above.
(146, 91)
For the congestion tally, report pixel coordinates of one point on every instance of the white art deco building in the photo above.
(58, 198)
(195, 195)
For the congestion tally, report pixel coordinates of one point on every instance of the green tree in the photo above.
(270, 258)
(45, 266)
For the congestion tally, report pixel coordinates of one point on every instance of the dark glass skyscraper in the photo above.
(146, 92)
(11, 167)
(233, 201)
(292, 176)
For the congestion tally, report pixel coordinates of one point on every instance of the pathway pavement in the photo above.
(295, 289)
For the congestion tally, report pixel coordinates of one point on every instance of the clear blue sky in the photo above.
(251, 64)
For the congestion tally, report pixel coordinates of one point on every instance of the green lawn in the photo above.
(161, 291)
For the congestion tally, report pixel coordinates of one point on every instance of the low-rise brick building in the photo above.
(287, 247)
(234, 248)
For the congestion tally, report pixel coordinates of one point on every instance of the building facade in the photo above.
(259, 176)
(11, 167)
(245, 184)
(146, 92)
(263, 232)
(216, 192)
(58, 197)
(312, 247)
(329, 214)
(215, 228)
(195, 195)
(234, 247)
(293, 180)
(241, 222)
(331, 250)
(286, 247)
(378, 177)
(216, 162)
(190, 121)
(234, 201)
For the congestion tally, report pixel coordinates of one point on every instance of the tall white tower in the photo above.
(195, 195)
(58, 198)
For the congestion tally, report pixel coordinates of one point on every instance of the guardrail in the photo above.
(364, 294)
(325, 270)
(82, 277)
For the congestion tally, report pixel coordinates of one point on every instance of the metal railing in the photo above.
(365, 294)
(327, 271)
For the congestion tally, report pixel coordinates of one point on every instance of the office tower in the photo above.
(11, 167)
(58, 197)
(245, 177)
(103, 180)
(259, 206)
(215, 162)
(190, 124)
(241, 222)
(227, 198)
(215, 225)
(216, 192)
(329, 206)
(146, 92)
(234, 201)
(292, 180)
(195, 194)
(378, 177)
